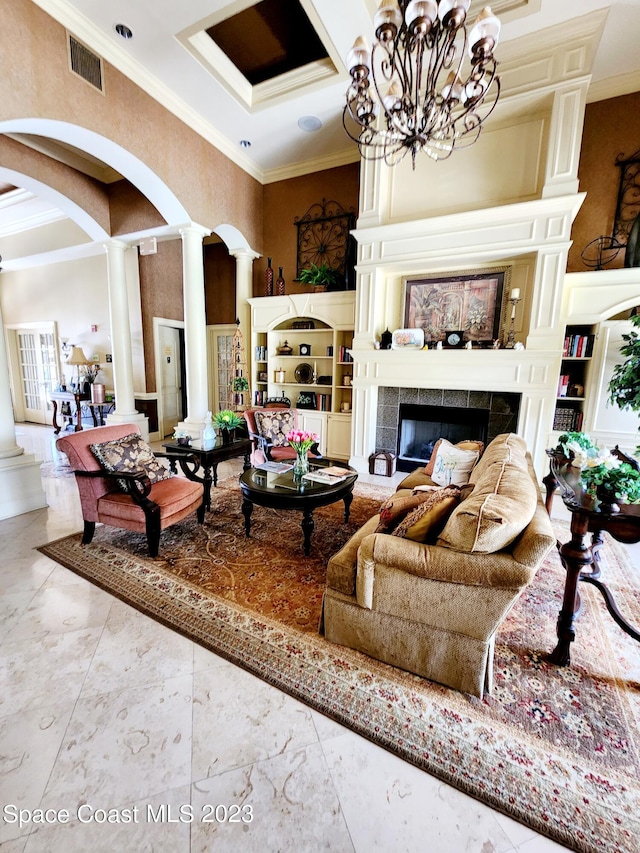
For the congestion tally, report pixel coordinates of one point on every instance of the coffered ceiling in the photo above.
(228, 92)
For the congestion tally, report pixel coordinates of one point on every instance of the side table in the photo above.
(208, 460)
(579, 555)
(74, 403)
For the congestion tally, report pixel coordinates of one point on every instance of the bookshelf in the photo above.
(302, 351)
(573, 379)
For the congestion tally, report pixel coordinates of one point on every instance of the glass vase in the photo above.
(268, 279)
(301, 464)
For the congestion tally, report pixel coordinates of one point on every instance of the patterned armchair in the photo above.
(268, 430)
(122, 484)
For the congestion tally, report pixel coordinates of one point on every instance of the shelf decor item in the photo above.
(208, 433)
(268, 279)
(280, 283)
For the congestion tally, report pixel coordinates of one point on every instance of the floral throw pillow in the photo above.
(275, 424)
(132, 455)
(453, 465)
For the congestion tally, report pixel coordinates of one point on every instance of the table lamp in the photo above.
(77, 357)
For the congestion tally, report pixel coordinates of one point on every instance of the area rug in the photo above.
(556, 748)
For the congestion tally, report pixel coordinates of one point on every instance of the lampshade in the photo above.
(76, 356)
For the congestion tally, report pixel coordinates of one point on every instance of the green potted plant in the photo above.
(228, 420)
(321, 277)
(240, 383)
(624, 386)
(611, 484)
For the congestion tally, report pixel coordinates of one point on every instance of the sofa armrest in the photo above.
(436, 563)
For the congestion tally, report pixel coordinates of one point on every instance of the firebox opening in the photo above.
(421, 426)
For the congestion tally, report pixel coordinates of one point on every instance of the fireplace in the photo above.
(420, 427)
(410, 420)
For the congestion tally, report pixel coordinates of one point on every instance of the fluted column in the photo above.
(195, 327)
(125, 411)
(20, 482)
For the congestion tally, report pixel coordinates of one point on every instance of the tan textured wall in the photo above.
(286, 200)
(90, 195)
(130, 210)
(611, 129)
(220, 284)
(35, 82)
(161, 296)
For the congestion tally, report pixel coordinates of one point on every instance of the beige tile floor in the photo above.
(130, 735)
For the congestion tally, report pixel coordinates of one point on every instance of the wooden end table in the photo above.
(196, 457)
(580, 555)
(74, 401)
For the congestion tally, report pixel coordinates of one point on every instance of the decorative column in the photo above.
(244, 287)
(125, 411)
(195, 328)
(20, 482)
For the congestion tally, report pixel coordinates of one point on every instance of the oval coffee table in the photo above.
(282, 491)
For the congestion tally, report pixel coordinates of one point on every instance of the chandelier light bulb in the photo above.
(359, 56)
(446, 6)
(419, 11)
(393, 97)
(387, 20)
(484, 34)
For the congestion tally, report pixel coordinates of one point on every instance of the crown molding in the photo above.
(319, 164)
(613, 87)
(83, 29)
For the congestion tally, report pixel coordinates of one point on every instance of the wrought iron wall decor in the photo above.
(628, 205)
(626, 224)
(323, 236)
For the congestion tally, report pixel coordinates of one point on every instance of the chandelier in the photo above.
(410, 92)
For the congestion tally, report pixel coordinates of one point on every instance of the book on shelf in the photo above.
(323, 402)
(563, 385)
(260, 353)
(578, 346)
(567, 420)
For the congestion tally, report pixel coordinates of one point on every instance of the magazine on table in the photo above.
(276, 467)
(321, 476)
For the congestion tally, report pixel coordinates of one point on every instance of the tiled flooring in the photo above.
(139, 734)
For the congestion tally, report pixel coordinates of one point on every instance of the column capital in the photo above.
(194, 228)
(245, 254)
(117, 244)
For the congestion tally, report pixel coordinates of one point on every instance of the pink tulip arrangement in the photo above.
(301, 440)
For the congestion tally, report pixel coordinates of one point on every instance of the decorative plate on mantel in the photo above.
(407, 339)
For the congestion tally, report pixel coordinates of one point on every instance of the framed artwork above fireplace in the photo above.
(468, 300)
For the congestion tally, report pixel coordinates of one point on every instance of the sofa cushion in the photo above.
(427, 519)
(394, 509)
(453, 465)
(130, 454)
(501, 505)
(507, 447)
(274, 424)
(465, 444)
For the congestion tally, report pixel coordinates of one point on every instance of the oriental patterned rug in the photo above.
(557, 749)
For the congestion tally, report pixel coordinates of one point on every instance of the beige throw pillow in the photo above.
(453, 465)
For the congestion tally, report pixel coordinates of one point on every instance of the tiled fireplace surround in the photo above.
(503, 409)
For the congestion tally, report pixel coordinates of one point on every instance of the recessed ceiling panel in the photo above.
(266, 51)
(268, 39)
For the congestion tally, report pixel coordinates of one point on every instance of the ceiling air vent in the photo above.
(85, 63)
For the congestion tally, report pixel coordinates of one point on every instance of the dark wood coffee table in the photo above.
(282, 491)
(195, 457)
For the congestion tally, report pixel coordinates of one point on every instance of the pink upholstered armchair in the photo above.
(122, 484)
(267, 430)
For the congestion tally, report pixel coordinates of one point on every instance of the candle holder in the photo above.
(511, 337)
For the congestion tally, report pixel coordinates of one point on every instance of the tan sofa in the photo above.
(433, 609)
